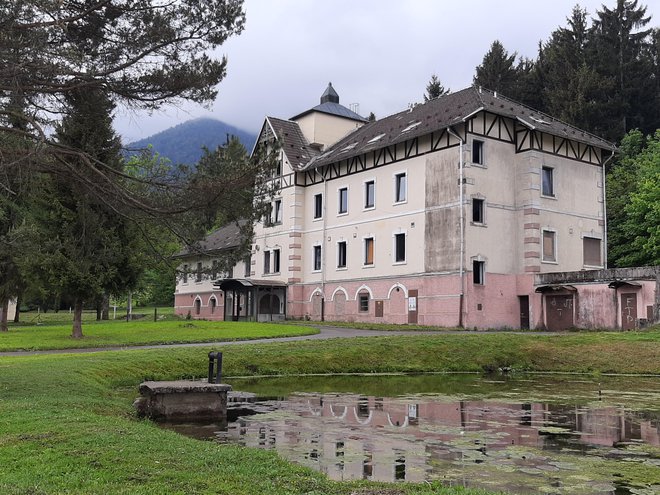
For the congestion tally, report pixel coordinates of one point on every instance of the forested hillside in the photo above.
(183, 143)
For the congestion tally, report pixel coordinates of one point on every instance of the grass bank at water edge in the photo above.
(67, 424)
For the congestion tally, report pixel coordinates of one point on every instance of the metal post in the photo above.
(211, 365)
(215, 361)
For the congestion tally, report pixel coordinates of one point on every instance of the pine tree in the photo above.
(497, 71)
(528, 86)
(572, 86)
(435, 89)
(621, 51)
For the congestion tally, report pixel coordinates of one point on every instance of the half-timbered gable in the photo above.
(442, 214)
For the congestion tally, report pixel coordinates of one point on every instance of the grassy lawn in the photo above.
(139, 332)
(66, 317)
(67, 424)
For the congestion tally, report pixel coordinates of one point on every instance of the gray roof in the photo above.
(226, 237)
(330, 95)
(441, 113)
(333, 109)
(293, 142)
(330, 105)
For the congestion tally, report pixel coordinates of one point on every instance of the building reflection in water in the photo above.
(425, 438)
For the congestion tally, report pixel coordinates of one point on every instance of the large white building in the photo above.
(443, 214)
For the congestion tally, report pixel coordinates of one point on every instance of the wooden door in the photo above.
(379, 309)
(628, 311)
(559, 311)
(412, 306)
(524, 311)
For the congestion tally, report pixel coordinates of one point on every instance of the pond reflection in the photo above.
(607, 442)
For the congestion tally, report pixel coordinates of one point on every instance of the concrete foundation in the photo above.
(183, 400)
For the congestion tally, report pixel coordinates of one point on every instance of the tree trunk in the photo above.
(129, 306)
(4, 309)
(17, 314)
(105, 307)
(77, 319)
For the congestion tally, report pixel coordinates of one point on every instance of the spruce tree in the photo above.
(435, 89)
(572, 85)
(88, 249)
(497, 71)
(621, 51)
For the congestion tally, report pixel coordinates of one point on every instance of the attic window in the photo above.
(377, 138)
(410, 127)
(348, 148)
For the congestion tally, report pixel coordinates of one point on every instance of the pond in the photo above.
(520, 434)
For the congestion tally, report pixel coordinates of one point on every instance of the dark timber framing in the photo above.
(410, 148)
(485, 124)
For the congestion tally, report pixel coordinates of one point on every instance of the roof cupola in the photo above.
(329, 95)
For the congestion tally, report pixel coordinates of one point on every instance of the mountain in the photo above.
(183, 143)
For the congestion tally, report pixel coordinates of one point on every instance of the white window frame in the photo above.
(359, 301)
(365, 207)
(339, 189)
(405, 247)
(276, 266)
(482, 144)
(320, 251)
(600, 239)
(364, 251)
(554, 247)
(199, 273)
(481, 264)
(553, 193)
(266, 263)
(345, 265)
(395, 176)
(276, 212)
(320, 217)
(483, 211)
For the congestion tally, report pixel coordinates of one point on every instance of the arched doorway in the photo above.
(340, 303)
(317, 306)
(198, 307)
(269, 304)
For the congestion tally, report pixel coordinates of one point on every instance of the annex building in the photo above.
(468, 210)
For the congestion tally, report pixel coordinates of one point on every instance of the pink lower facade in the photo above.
(201, 305)
(503, 302)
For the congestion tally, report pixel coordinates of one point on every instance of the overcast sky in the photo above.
(377, 53)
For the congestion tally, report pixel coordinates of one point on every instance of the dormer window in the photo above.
(410, 127)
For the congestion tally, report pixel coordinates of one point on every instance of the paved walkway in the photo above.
(325, 333)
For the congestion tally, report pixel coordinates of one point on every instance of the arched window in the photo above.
(363, 301)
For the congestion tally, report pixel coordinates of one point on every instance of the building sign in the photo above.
(412, 304)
